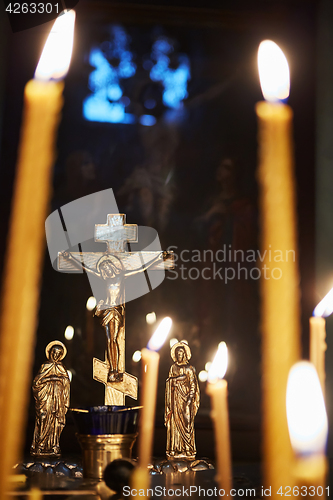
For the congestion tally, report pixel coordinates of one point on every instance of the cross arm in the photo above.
(132, 261)
(88, 259)
(135, 262)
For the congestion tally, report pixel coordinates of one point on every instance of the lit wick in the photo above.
(318, 336)
(280, 310)
(308, 427)
(217, 388)
(150, 361)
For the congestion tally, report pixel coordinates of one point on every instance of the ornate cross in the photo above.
(116, 234)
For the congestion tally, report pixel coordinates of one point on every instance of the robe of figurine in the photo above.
(51, 388)
(182, 400)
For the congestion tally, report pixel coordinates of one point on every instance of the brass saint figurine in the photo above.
(182, 400)
(51, 388)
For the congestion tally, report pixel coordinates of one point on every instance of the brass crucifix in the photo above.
(113, 266)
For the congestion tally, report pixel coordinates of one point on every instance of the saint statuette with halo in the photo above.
(51, 392)
(182, 400)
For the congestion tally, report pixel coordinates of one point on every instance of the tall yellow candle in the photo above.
(318, 347)
(23, 264)
(217, 389)
(150, 361)
(308, 427)
(280, 285)
(318, 336)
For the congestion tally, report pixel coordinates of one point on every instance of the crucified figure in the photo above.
(111, 312)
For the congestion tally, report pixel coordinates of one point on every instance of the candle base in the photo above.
(140, 480)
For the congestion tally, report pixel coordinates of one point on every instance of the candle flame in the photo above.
(159, 336)
(219, 365)
(203, 376)
(306, 412)
(325, 306)
(56, 56)
(151, 318)
(91, 303)
(273, 71)
(69, 332)
(173, 341)
(136, 356)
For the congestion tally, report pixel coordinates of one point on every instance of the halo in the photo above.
(51, 344)
(115, 261)
(185, 347)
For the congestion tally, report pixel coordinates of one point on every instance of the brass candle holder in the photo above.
(105, 433)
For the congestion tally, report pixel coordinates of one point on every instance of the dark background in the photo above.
(209, 154)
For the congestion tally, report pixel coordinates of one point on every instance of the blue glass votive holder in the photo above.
(97, 420)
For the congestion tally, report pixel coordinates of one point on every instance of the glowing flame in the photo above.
(151, 318)
(56, 56)
(159, 336)
(91, 303)
(325, 306)
(220, 363)
(306, 412)
(136, 356)
(203, 376)
(273, 71)
(69, 332)
(173, 341)
(208, 365)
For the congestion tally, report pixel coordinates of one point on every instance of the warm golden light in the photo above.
(56, 56)
(306, 412)
(69, 332)
(172, 342)
(159, 336)
(203, 376)
(136, 356)
(208, 365)
(325, 306)
(219, 365)
(273, 71)
(151, 318)
(91, 303)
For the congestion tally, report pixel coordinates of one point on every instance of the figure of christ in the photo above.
(111, 312)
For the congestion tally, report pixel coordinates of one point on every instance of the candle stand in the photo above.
(99, 451)
(105, 433)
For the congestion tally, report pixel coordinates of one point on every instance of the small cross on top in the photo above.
(115, 233)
